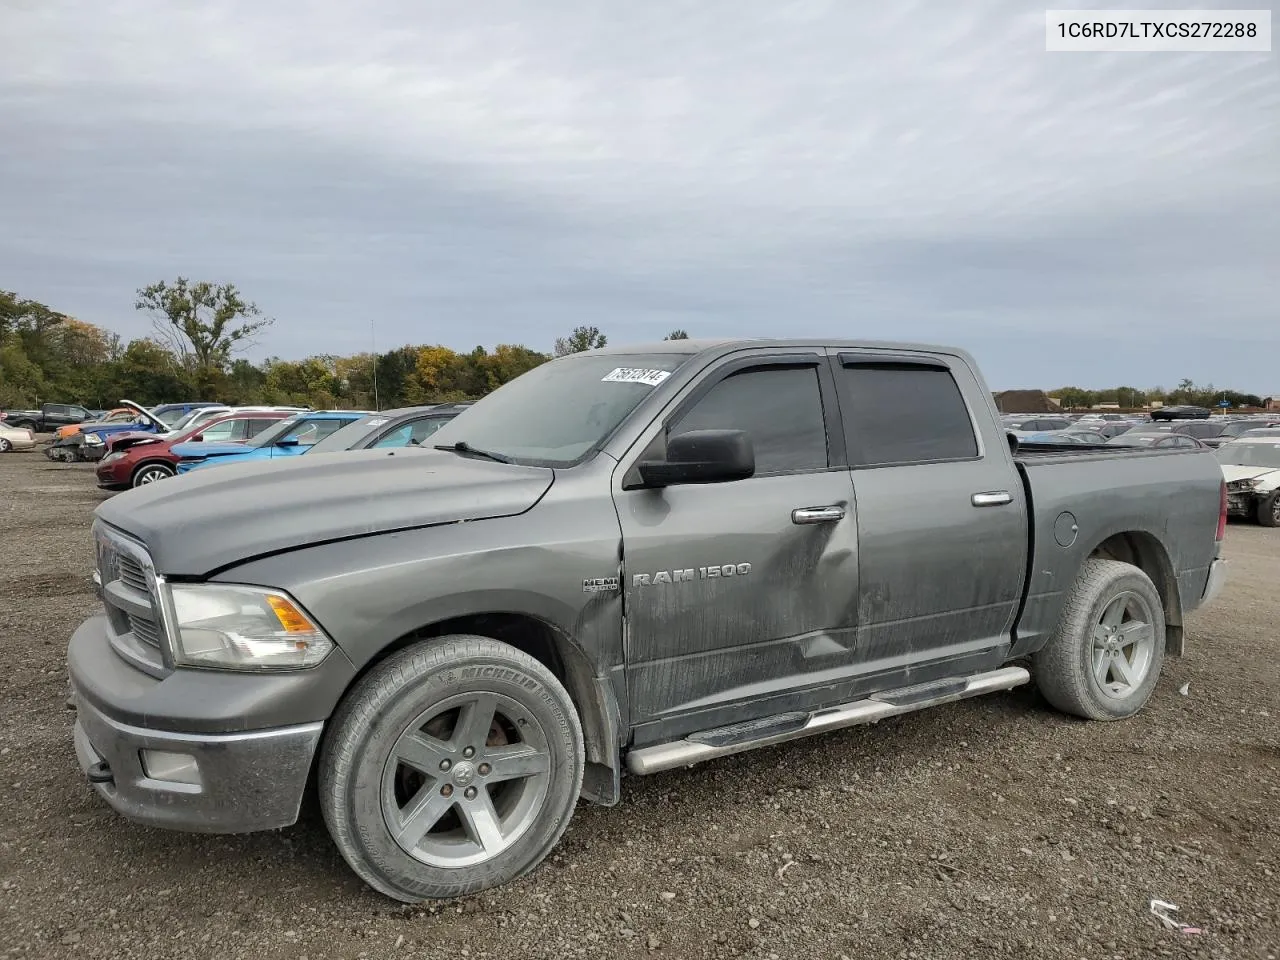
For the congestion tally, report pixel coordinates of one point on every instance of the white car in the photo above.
(15, 438)
(1251, 468)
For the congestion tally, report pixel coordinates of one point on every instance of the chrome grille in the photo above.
(124, 572)
(129, 572)
(148, 631)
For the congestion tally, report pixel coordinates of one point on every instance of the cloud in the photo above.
(480, 176)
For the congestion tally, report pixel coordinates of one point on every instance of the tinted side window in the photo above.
(217, 432)
(56, 410)
(78, 412)
(257, 426)
(904, 413)
(780, 408)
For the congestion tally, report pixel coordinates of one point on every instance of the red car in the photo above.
(140, 458)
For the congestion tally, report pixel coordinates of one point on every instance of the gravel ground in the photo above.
(993, 827)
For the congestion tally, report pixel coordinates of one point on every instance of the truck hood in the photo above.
(205, 521)
(1232, 472)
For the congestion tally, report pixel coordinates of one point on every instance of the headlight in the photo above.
(113, 456)
(1237, 486)
(242, 628)
(94, 440)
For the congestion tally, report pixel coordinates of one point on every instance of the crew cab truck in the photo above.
(48, 418)
(625, 560)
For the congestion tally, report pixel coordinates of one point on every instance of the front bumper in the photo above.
(244, 781)
(113, 475)
(1240, 503)
(244, 743)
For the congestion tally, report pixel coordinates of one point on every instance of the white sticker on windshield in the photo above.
(650, 378)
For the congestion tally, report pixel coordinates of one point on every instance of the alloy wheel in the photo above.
(1124, 643)
(466, 780)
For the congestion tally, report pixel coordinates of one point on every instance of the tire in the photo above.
(408, 705)
(5, 445)
(150, 473)
(1268, 510)
(1087, 669)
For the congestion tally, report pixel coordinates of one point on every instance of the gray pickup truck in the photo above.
(631, 559)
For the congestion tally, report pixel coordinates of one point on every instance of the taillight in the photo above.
(1222, 513)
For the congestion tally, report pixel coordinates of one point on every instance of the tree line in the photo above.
(1133, 398)
(199, 328)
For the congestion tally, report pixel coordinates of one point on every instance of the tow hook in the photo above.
(100, 772)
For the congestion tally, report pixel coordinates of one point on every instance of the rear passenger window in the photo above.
(779, 408)
(904, 413)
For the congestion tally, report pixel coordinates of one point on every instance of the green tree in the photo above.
(676, 335)
(203, 323)
(582, 338)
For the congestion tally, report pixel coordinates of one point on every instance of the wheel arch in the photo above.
(1144, 550)
(592, 696)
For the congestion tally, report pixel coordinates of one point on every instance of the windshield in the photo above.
(350, 435)
(184, 422)
(170, 418)
(557, 413)
(1250, 454)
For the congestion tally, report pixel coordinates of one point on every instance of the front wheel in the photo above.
(150, 473)
(1103, 661)
(5, 445)
(454, 766)
(1268, 510)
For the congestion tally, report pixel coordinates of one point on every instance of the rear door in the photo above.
(741, 597)
(942, 517)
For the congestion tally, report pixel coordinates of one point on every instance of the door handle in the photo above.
(817, 514)
(993, 498)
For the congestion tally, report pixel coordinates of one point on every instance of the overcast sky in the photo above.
(502, 172)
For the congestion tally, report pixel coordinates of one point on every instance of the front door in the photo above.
(745, 591)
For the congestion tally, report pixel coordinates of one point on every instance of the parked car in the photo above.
(288, 438)
(138, 459)
(91, 442)
(1234, 429)
(48, 418)
(1251, 468)
(1156, 440)
(171, 413)
(639, 557)
(118, 415)
(15, 438)
(403, 427)
(1181, 413)
(197, 417)
(1037, 424)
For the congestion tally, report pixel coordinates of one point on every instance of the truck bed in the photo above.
(1160, 507)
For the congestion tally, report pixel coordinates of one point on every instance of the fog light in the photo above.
(174, 767)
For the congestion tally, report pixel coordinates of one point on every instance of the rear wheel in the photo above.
(1268, 510)
(1104, 660)
(150, 473)
(5, 445)
(454, 766)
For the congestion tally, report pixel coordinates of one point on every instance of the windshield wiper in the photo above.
(463, 447)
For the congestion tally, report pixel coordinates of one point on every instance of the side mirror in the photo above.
(288, 441)
(702, 456)
(197, 438)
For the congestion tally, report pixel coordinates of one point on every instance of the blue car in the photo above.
(288, 438)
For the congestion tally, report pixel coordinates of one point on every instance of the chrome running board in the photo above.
(709, 744)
